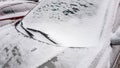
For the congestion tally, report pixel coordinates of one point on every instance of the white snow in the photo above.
(30, 58)
(34, 53)
(81, 29)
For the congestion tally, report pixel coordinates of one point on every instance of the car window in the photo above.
(69, 23)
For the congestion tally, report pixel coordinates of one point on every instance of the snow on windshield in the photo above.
(61, 10)
(70, 23)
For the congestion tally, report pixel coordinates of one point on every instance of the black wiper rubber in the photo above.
(16, 24)
(44, 34)
(30, 34)
(21, 24)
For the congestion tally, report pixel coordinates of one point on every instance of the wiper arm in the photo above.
(29, 34)
(44, 34)
(21, 24)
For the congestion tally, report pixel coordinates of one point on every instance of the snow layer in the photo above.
(70, 23)
(19, 50)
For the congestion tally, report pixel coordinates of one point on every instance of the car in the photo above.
(12, 11)
(60, 34)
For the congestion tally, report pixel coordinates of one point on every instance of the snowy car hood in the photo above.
(69, 23)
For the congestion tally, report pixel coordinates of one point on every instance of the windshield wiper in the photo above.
(44, 34)
(21, 24)
(29, 33)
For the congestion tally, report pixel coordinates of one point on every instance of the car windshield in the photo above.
(69, 23)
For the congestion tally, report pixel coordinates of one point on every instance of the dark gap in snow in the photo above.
(84, 5)
(91, 3)
(34, 49)
(75, 9)
(73, 4)
(18, 61)
(67, 12)
(6, 49)
(15, 51)
(6, 65)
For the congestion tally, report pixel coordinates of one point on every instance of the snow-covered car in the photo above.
(10, 11)
(60, 34)
(15, 9)
(19, 0)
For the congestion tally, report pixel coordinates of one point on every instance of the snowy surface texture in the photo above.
(69, 23)
(27, 44)
(18, 51)
(80, 58)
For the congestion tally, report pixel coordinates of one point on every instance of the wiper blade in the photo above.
(44, 34)
(29, 34)
(21, 24)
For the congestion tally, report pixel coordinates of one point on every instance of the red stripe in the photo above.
(12, 18)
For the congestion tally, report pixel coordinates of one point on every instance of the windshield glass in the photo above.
(69, 23)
